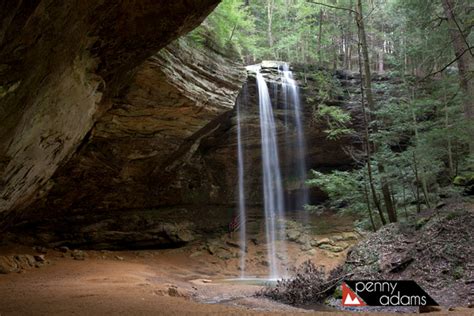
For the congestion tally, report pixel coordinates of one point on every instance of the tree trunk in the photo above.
(269, 24)
(417, 185)
(365, 56)
(370, 101)
(381, 55)
(422, 175)
(448, 132)
(349, 38)
(320, 35)
(387, 195)
(465, 61)
(367, 141)
(369, 208)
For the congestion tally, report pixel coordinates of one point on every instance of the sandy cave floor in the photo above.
(132, 283)
(185, 280)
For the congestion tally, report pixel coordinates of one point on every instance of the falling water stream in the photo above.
(241, 190)
(291, 90)
(273, 197)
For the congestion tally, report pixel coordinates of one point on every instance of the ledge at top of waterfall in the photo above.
(267, 64)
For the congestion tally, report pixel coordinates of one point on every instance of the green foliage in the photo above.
(327, 86)
(417, 135)
(229, 28)
(337, 293)
(464, 180)
(458, 272)
(336, 119)
(346, 191)
(421, 222)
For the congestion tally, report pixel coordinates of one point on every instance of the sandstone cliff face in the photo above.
(158, 124)
(62, 65)
(210, 176)
(159, 167)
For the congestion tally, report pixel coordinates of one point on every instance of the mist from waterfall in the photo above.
(291, 90)
(241, 192)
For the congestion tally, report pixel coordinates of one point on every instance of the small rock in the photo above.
(223, 254)
(211, 248)
(40, 258)
(25, 261)
(350, 236)
(343, 245)
(233, 244)
(429, 309)
(324, 241)
(119, 258)
(8, 265)
(172, 291)
(331, 248)
(195, 254)
(219, 250)
(63, 249)
(306, 247)
(293, 234)
(175, 292)
(42, 250)
(304, 239)
(78, 255)
(160, 292)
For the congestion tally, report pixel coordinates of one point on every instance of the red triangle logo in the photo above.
(349, 298)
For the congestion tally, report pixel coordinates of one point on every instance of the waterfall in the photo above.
(272, 183)
(241, 192)
(273, 197)
(290, 90)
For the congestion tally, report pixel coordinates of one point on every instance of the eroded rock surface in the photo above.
(157, 125)
(63, 64)
(166, 154)
(18, 263)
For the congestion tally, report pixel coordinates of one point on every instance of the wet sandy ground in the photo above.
(182, 281)
(138, 283)
(134, 283)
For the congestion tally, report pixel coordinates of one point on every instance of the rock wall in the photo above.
(173, 96)
(210, 176)
(62, 65)
(159, 167)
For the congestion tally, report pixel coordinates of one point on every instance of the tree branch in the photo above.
(332, 6)
(459, 28)
(449, 64)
